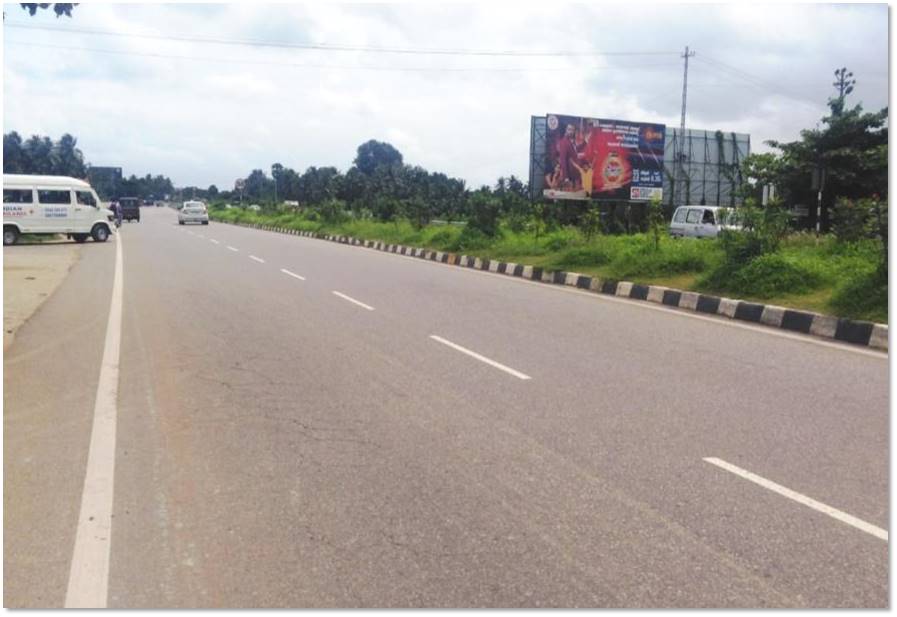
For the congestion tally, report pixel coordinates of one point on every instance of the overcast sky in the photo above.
(207, 113)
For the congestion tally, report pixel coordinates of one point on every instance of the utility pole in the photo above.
(680, 142)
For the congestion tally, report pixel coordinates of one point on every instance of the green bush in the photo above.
(864, 296)
(559, 240)
(763, 277)
(443, 236)
(333, 212)
(471, 239)
(850, 219)
(484, 214)
(762, 231)
(589, 255)
(672, 257)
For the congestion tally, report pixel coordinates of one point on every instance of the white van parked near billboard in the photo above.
(53, 205)
(701, 221)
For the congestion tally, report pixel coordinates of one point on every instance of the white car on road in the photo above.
(193, 212)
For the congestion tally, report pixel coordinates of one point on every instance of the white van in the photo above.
(53, 205)
(700, 221)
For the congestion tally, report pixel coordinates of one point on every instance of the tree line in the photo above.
(42, 156)
(378, 185)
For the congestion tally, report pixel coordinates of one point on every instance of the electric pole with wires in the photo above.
(680, 141)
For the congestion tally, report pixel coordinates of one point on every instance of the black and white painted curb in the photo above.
(847, 330)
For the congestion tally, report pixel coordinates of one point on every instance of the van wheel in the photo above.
(100, 233)
(79, 238)
(10, 235)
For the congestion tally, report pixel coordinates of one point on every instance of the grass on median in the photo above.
(806, 273)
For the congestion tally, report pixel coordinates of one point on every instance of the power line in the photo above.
(326, 47)
(757, 82)
(332, 66)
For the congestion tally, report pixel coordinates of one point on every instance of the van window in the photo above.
(54, 197)
(85, 198)
(17, 196)
(708, 218)
(679, 217)
(694, 215)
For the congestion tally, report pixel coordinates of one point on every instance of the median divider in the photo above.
(863, 333)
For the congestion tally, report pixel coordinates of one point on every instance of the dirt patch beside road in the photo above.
(30, 275)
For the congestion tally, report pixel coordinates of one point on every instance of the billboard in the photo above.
(597, 158)
(106, 181)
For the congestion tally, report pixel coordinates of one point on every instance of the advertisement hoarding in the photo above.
(106, 181)
(597, 158)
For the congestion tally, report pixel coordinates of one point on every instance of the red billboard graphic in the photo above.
(595, 158)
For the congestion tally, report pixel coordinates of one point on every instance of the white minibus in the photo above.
(53, 205)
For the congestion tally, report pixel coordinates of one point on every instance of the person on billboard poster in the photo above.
(570, 159)
(555, 179)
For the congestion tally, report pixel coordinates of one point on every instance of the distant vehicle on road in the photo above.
(148, 203)
(193, 212)
(701, 221)
(53, 205)
(130, 208)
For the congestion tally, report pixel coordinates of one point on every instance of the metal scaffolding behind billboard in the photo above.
(538, 140)
(706, 170)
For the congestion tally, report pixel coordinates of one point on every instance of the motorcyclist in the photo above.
(116, 211)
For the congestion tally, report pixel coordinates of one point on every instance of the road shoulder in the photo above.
(30, 275)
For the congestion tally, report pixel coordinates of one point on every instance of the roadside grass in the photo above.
(39, 238)
(806, 273)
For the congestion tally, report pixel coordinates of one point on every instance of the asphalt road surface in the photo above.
(305, 424)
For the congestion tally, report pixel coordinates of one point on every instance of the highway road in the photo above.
(299, 423)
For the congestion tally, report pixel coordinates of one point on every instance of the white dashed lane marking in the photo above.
(293, 274)
(836, 514)
(481, 358)
(353, 301)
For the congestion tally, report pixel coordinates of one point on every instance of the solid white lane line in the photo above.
(258, 259)
(353, 301)
(474, 354)
(293, 274)
(214, 241)
(853, 521)
(230, 248)
(88, 582)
